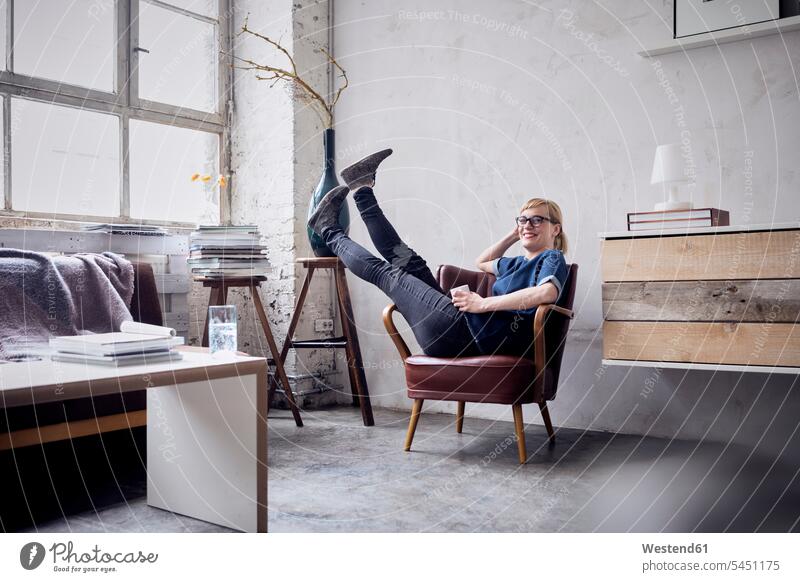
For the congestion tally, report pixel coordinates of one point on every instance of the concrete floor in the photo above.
(334, 475)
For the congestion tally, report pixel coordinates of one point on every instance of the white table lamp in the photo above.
(668, 168)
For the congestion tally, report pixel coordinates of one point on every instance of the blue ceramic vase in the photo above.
(327, 182)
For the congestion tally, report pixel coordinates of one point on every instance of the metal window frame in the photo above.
(124, 104)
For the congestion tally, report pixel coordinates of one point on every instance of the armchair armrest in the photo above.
(562, 310)
(391, 329)
(539, 353)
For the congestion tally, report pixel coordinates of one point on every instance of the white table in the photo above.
(206, 427)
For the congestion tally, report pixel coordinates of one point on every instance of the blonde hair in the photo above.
(554, 213)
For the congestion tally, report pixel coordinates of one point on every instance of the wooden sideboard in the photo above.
(718, 298)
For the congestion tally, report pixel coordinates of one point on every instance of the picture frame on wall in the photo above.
(692, 17)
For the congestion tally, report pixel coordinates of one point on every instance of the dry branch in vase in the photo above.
(297, 86)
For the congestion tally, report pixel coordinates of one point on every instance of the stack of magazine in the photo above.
(217, 252)
(136, 343)
(128, 229)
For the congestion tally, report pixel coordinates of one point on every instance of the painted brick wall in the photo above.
(276, 163)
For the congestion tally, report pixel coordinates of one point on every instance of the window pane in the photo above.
(162, 161)
(181, 67)
(67, 41)
(205, 7)
(2, 159)
(3, 12)
(64, 160)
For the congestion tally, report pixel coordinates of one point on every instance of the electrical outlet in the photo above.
(323, 325)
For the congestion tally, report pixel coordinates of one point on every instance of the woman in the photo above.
(466, 324)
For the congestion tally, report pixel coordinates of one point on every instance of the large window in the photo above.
(111, 106)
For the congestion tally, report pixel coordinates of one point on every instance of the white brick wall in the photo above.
(276, 163)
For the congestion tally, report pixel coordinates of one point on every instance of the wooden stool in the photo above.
(349, 341)
(219, 296)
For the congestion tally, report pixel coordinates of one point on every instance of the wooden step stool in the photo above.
(219, 296)
(349, 341)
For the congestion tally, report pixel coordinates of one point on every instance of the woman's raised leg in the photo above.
(360, 178)
(439, 327)
(388, 242)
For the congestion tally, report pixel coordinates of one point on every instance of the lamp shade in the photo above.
(668, 165)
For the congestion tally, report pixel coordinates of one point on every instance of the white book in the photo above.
(213, 227)
(222, 256)
(669, 225)
(147, 329)
(222, 273)
(671, 215)
(224, 236)
(115, 343)
(124, 360)
(227, 263)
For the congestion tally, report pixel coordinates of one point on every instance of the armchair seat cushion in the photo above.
(493, 379)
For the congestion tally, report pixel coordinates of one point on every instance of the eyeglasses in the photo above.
(533, 220)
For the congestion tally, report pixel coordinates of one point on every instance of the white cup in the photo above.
(460, 288)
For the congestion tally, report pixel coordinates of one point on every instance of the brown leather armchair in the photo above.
(494, 379)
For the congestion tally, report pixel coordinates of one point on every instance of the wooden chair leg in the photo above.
(280, 372)
(547, 423)
(412, 423)
(273, 386)
(358, 379)
(460, 417)
(298, 308)
(519, 429)
(347, 331)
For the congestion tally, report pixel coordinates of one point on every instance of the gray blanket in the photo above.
(41, 297)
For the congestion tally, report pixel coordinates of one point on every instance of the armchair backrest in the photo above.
(556, 327)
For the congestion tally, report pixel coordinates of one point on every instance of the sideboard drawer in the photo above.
(741, 255)
(768, 300)
(754, 344)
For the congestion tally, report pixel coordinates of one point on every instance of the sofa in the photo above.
(58, 475)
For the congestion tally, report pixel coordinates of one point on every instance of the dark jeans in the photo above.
(440, 328)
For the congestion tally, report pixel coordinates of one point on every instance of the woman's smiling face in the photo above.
(536, 239)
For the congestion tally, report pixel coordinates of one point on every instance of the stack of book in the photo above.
(663, 219)
(128, 229)
(217, 252)
(117, 348)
